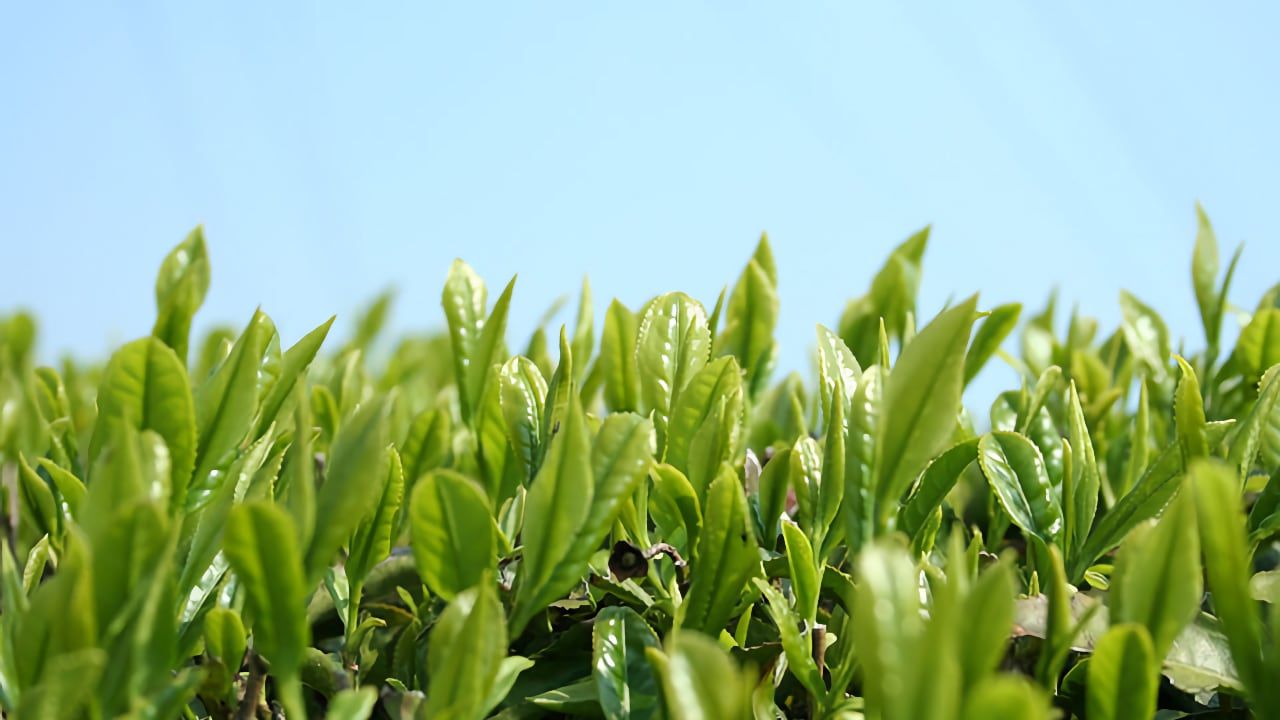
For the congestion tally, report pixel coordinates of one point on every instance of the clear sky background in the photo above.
(332, 149)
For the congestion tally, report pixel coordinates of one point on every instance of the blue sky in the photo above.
(332, 149)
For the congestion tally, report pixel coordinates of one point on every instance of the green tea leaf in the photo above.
(1122, 675)
(260, 545)
(750, 319)
(1016, 473)
(466, 647)
(804, 572)
(225, 404)
(452, 532)
(523, 392)
(557, 506)
(887, 628)
(721, 379)
(991, 332)
(1259, 345)
(1204, 276)
(988, 618)
(181, 285)
(1227, 567)
(1157, 579)
(838, 370)
(724, 558)
(1188, 412)
(700, 680)
(796, 647)
(293, 369)
(354, 704)
(921, 398)
(935, 482)
(356, 474)
(146, 386)
(892, 296)
(1009, 697)
(1081, 485)
(617, 359)
(626, 684)
(672, 345)
(1146, 335)
(371, 543)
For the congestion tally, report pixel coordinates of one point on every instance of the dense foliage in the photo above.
(646, 524)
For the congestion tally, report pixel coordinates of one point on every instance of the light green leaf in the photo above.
(371, 543)
(354, 478)
(293, 374)
(700, 680)
(181, 285)
(1259, 345)
(626, 685)
(618, 359)
(887, 628)
(1157, 578)
(261, 547)
(921, 399)
(225, 404)
(865, 422)
(451, 532)
(354, 704)
(1016, 473)
(892, 297)
(750, 319)
(1008, 697)
(719, 381)
(1188, 413)
(1082, 484)
(464, 653)
(556, 508)
(523, 392)
(1204, 276)
(838, 370)
(724, 558)
(991, 332)
(672, 345)
(1123, 675)
(797, 647)
(804, 572)
(1227, 567)
(935, 482)
(1145, 334)
(146, 386)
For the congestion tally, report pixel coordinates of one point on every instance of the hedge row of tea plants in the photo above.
(648, 522)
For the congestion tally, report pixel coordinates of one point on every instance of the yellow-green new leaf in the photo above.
(451, 531)
(465, 650)
(181, 285)
(672, 345)
(1123, 675)
(1016, 473)
(921, 400)
(750, 318)
(617, 359)
(226, 403)
(724, 558)
(352, 487)
(371, 543)
(146, 386)
(557, 507)
(261, 547)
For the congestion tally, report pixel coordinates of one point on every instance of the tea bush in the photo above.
(647, 524)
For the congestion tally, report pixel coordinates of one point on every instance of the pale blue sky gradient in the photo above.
(332, 149)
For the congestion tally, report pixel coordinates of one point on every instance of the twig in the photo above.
(253, 688)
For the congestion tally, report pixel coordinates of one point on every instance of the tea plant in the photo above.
(650, 525)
